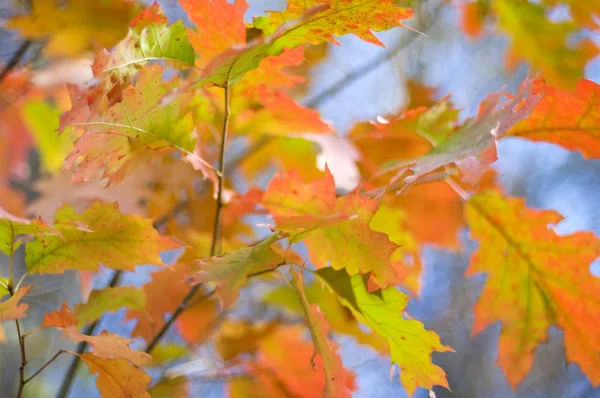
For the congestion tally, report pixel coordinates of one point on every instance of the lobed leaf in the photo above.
(11, 309)
(409, 343)
(117, 377)
(536, 279)
(568, 119)
(99, 235)
(230, 271)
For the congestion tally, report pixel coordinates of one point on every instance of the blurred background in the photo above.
(457, 54)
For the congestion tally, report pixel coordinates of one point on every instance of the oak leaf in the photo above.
(11, 309)
(99, 235)
(11, 227)
(104, 345)
(339, 18)
(219, 26)
(536, 279)
(149, 39)
(335, 230)
(62, 319)
(410, 344)
(117, 377)
(132, 131)
(568, 119)
(473, 147)
(230, 271)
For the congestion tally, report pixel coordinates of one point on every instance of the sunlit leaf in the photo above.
(117, 377)
(11, 308)
(536, 279)
(409, 343)
(99, 235)
(109, 299)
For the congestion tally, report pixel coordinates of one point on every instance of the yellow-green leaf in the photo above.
(99, 235)
(409, 343)
(110, 299)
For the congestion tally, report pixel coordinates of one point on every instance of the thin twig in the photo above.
(23, 360)
(16, 58)
(214, 247)
(44, 366)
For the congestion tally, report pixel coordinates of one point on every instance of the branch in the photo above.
(16, 58)
(214, 248)
(364, 70)
(44, 366)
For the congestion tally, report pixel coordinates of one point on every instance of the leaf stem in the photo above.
(44, 366)
(215, 245)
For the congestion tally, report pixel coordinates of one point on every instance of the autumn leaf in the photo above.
(545, 44)
(104, 345)
(149, 39)
(536, 279)
(314, 22)
(219, 26)
(230, 271)
(99, 235)
(109, 299)
(337, 379)
(11, 309)
(339, 18)
(568, 119)
(11, 227)
(71, 29)
(116, 377)
(340, 318)
(473, 147)
(274, 375)
(409, 343)
(336, 231)
(136, 127)
(62, 319)
(236, 337)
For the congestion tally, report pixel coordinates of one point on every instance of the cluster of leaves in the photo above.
(154, 127)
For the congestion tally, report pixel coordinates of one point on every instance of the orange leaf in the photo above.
(338, 18)
(11, 309)
(105, 345)
(219, 26)
(60, 319)
(536, 279)
(117, 377)
(568, 119)
(335, 230)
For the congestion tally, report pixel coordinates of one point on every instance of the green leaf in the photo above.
(11, 227)
(42, 120)
(131, 131)
(231, 270)
(149, 39)
(109, 299)
(101, 234)
(409, 343)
